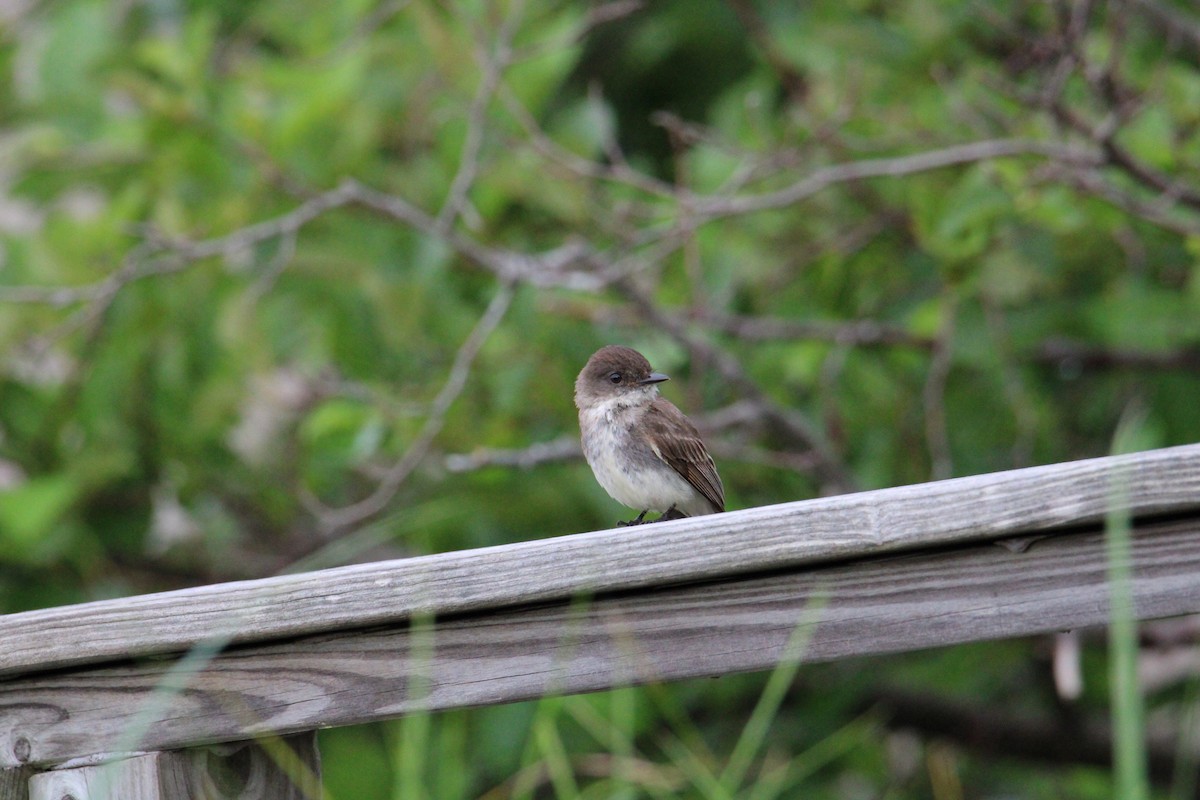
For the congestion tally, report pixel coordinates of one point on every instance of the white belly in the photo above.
(640, 484)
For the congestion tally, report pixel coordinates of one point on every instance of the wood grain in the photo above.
(284, 769)
(712, 547)
(14, 783)
(880, 605)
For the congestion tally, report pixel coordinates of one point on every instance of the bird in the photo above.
(642, 449)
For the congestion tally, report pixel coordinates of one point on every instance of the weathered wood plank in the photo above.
(283, 769)
(14, 783)
(889, 520)
(896, 603)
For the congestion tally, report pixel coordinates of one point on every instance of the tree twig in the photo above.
(937, 433)
(333, 520)
(992, 730)
(790, 423)
(955, 155)
(492, 64)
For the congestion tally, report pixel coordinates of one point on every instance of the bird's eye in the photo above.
(614, 377)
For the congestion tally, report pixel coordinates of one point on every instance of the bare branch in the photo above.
(1072, 356)
(992, 730)
(859, 333)
(1171, 21)
(1073, 20)
(334, 520)
(492, 65)
(1113, 154)
(740, 414)
(1171, 632)
(987, 150)
(1158, 212)
(564, 448)
(1015, 389)
(159, 257)
(788, 423)
(574, 265)
(937, 433)
(617, 171)
(557, 267)
(789, 76)
(550, 268)
(1161, 669)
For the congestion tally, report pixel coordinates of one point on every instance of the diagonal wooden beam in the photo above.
(721, 546)
(901, 602)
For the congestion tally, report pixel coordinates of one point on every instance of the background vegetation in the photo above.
(286, 283)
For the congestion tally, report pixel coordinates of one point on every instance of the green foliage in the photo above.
(195, 368)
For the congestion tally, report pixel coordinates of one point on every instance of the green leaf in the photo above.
(1150, 137)
(340, 420)
(957, 225)
(29, 511)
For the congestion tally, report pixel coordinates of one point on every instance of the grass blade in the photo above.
(755, 732)
(1129, 747)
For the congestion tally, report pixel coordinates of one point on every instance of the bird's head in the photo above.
(616, 373)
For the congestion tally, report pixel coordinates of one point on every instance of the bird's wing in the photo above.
(676, 441)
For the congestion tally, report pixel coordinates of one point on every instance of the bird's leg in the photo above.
(671, 513)
(640, 519)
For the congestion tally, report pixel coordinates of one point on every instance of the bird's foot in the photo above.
(670, 514)
(641, 519)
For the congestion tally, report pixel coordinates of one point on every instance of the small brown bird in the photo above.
(642, 449)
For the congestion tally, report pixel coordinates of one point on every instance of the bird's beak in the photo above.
(655, 377)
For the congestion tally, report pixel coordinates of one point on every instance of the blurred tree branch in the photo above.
(369, 253)
(639, 223)
(575, 265)
(333, 521)
(988, 729)
(1173, 22)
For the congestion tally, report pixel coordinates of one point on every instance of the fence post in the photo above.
(14, 783)
(280, 768)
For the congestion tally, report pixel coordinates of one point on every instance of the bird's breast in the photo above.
(626, 467)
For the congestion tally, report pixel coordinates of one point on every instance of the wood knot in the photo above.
(22, 749)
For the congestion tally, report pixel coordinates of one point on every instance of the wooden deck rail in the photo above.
(890, 570)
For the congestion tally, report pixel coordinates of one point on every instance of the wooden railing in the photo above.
(147, 684)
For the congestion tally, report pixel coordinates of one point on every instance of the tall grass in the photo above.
(690, 768)
(1129, 748)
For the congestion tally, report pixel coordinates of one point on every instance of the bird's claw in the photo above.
(670, 514)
